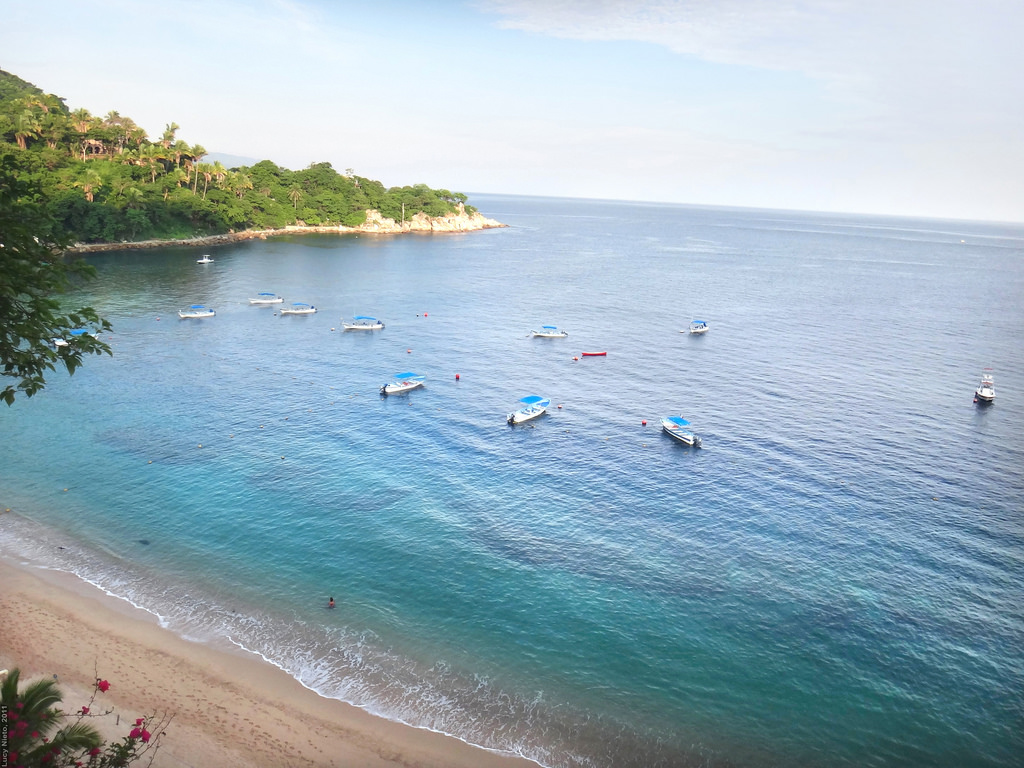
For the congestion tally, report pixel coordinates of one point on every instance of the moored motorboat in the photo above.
(299, 308)
(403, 382)
(676, 427)
(549, 332)
(986, 391)
(533, 406)
(74, 334)
(205, 260)
(698, 327)
(363, 323)
(196, 310)
(266, 297)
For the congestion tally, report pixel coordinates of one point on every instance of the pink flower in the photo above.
(35, 734)
(136, 732)
(145, 736)
(140, 721)
(85, 710)
(103, 685)
(94, 751)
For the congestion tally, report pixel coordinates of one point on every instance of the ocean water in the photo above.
(835, 579)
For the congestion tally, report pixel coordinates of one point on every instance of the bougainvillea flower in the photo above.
(146, 736)
(94, 751)
(85, 710)
(103, 685)
(140, 721)
(135, 733)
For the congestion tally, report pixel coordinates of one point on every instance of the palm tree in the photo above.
(238, 183)
(90, 183)
(81, 120)
(150, 156)
(168, 138)
(219, 172)
(26, 126)
(206, 169)
(178, 176)
(179, 150)
(32, 714)
(295, 194)
(195, 155)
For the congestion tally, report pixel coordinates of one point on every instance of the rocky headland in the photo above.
(375, 224)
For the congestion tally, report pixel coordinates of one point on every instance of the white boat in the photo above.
(533, 406)
(986, 391)
(74, 333)
(549, 332)
(698, 326)
(299, 308)
(196, 310)
(205, 260)
(403, 382)
(265, 297)
(676, 427)
(363, 323)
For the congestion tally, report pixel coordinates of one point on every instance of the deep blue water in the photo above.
(835, 579)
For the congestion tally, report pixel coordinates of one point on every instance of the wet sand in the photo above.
(229, 708)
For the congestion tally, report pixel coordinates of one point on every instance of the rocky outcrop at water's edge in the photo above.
(375, 224)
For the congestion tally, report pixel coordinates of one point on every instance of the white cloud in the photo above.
(913, 62)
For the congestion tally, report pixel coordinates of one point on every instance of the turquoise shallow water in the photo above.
(835, 579)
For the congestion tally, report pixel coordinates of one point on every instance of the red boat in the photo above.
(594, 354)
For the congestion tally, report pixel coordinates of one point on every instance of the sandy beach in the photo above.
(229, 709)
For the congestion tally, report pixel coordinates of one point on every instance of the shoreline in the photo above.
(229, 708)
(375, 224)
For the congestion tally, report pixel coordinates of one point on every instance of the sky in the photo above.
(893, 107)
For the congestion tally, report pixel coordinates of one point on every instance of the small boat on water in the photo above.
(266, 297)
(196, 310)
(74, 334)
(363, 323)
(533, 406)
(986, 391)
(299, 308)
(403, 382)
(676, 427)
(205, 260)
(594, 354)
(698, 327)
(549, 332)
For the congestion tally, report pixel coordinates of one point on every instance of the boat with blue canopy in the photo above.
(196, 310)
(299, 308)
(403, 382)
(698, 326)
(266, 297)
(74, 334)
(533, 406)
(549, 332)
(676, 427)
(363, 323)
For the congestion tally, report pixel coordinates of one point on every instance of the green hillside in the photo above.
(104, 180)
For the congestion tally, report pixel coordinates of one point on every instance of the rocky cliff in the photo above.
(375, 224)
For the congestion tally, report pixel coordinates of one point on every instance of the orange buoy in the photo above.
(456, 377)
(408, 351)
(643, 423)
(424, 314)
(559, 406)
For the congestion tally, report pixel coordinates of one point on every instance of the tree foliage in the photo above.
(36, 331)
(103, 180)
(38, 733)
